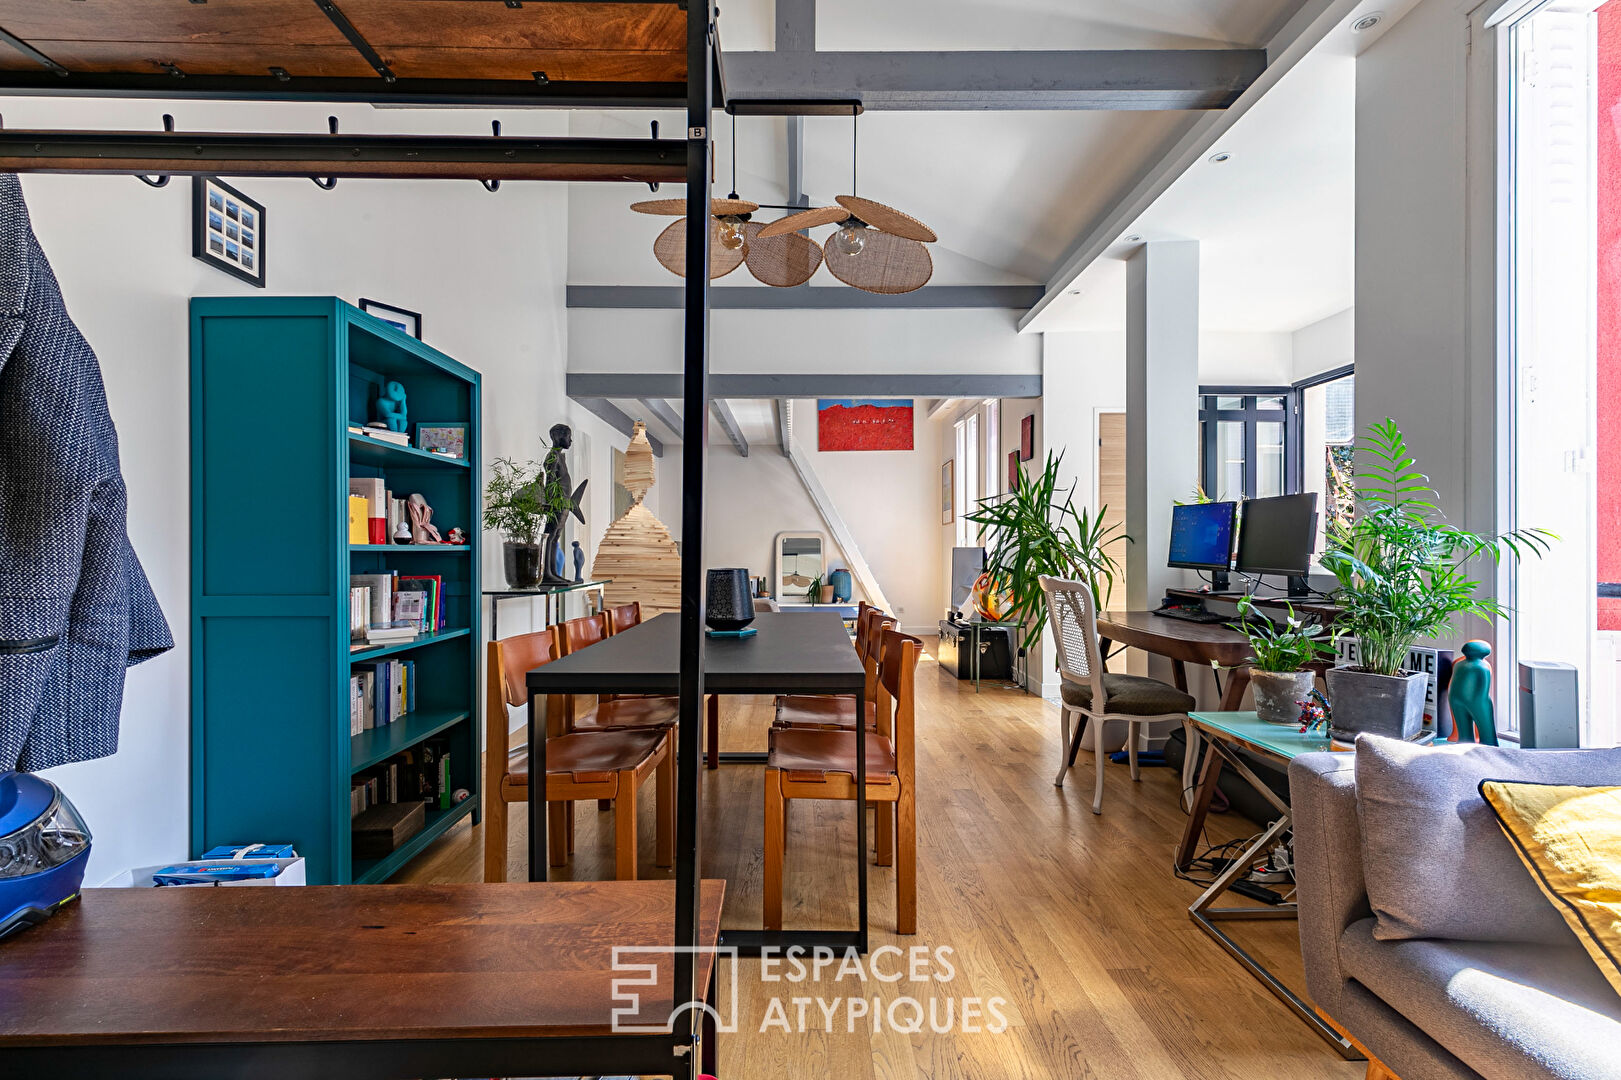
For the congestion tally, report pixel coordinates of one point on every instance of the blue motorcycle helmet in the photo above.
(44, 846)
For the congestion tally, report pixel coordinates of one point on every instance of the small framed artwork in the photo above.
(1027, 437)
(402, 319)
(948, 489)
(1012, 470)
(447, 439)
(228, 230)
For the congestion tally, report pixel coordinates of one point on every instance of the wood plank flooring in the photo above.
(1074, 919)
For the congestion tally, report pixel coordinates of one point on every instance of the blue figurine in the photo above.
(391, 406)
(579, 563)
(1471, 695)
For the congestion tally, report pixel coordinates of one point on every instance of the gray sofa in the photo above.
(1451, 970)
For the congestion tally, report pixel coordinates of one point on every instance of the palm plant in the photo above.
(512, 503)
(1402, 569)
(1036, 530)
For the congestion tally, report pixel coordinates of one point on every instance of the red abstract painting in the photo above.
(864, 424)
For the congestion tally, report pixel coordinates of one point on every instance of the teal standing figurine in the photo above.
(1471, 695)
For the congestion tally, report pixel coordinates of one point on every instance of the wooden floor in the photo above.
(1075, 920)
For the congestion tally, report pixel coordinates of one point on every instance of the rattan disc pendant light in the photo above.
(782, 261)
(876, 248)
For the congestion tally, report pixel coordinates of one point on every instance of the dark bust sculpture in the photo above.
(560, 498)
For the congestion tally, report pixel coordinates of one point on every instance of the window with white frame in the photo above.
(967, 477)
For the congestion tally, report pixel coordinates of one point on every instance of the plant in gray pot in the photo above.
(513, 507)
(1403, 575)
(1279, 675)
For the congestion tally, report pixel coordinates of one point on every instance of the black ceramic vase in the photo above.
(522, 564)
(727, 604)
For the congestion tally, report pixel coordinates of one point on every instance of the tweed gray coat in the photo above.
(75, 606)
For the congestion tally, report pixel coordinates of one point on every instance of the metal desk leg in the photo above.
(1200, 808)
(537, 720)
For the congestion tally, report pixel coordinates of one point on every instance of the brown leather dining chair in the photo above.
(839, 711)
(609, 764)
(624, 616)
(806, 763)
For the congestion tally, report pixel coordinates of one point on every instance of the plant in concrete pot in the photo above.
(513, 507)
(1403, 576)
(1278, 661)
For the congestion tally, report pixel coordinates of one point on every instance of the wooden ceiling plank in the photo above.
(263, 22)
(324, 61)
(448, 62)
(618, 27)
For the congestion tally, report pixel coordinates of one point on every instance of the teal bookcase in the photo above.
(275, 383)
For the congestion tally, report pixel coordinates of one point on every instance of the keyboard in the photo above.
(1195, 615)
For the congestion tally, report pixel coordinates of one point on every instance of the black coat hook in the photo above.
(493, 185)
(327, 183)
(158, 181)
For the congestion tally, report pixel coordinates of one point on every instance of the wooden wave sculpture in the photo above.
(636, 552)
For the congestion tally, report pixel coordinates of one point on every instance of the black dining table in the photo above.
(791, 653)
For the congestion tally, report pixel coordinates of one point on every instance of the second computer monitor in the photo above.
(1277, 535)
(1202, 535)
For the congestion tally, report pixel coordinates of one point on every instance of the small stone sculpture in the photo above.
(391, 406)
(1471, 695)
(402, 532)
(579, 563)
(422, 530)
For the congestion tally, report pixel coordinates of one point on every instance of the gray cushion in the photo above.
(1436, 862)
(1510, 1011)
(1130, 695)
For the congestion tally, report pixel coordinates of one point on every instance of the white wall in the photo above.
(486, 271)
(1231, 358)
(1324, 345)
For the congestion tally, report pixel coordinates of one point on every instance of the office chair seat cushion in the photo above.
(1130, 695)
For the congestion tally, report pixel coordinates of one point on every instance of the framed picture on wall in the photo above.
(227, 230)
(400, 318)
(948, 488)
(1027, 437)
(1012, 470)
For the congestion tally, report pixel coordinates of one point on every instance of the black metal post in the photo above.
(695, 441)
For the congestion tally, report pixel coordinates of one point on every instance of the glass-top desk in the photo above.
(552, 595)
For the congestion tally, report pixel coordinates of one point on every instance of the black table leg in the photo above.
(861, 817)
(710, 1053)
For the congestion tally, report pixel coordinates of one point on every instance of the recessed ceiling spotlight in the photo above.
(1217, 159)
(1134, 239)
(1075, 292)
(1367, 22)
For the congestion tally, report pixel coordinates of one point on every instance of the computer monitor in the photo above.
(967, 563)
(1202, 535)
(1277, 535)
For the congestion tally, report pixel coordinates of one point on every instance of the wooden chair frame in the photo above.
(895, 831)
(505, 686)
(1073, 614)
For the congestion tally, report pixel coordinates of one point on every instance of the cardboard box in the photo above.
(292, 873)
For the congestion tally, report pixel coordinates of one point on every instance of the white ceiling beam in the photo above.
(1311, 22)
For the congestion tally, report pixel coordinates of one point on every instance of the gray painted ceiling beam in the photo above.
(743, 298)
(1026, 79)
(660, 410)
(1310, 23)
(728, 422)
(612, 384)
(779, 411)
(609, 413)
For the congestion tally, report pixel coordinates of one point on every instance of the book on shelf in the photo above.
(359, 526)
(387, 689)
(396, 438)
(410, 608)
(359, 612)
(371, 489)
(380, 613)
(432, 585)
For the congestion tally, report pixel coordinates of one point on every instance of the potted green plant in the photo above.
(1403, 575)
(1278, 661)
(1036, 530)
(813, 591)
(513, 507)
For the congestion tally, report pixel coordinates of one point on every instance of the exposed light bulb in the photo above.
(731, 234)
(850, 239)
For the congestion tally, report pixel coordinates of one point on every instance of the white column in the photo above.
(1162, 415)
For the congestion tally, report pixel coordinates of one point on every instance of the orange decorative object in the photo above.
(993, 601)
